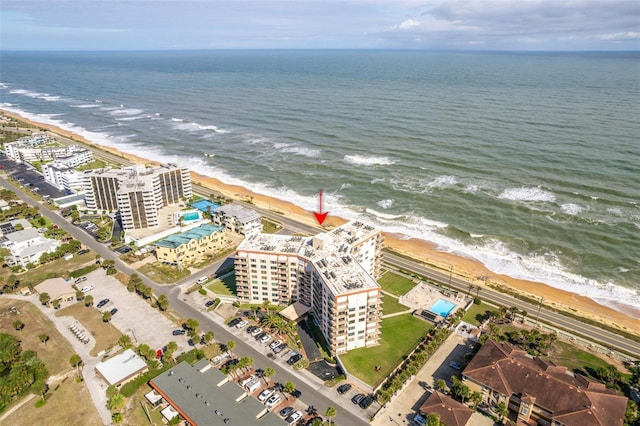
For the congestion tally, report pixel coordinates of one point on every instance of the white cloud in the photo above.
(406, 24)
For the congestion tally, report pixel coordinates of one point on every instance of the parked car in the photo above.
(272, 401)
(83, 251)
(86, 289)
(274, 344)
(296, 393)
(293, 359)
(311, 420)
(279, 348)
(209, 303)
(234, 322)
(113, 311)
(455, 365)
(286, 411)
(265, 394)
(202, 280)
(265, 338)
(242, 324)
(366, 402)
(358, 398)
(342, 389)
(81, 279)
(102, 303)
(294, 417)
(178, 332)
(256, 331)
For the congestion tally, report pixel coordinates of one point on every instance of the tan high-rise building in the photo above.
(332, 273)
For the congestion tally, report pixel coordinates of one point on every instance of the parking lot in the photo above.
(135, 317)
(29, 177)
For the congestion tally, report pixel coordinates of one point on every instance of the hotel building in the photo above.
(137, 192)
(191, 246)
(331, 273)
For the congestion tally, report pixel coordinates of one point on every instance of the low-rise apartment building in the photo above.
(191, 246)
(26, 246)
(539, 392)
(322, 272)
(238, 219)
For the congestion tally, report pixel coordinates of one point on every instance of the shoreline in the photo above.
(626, 318)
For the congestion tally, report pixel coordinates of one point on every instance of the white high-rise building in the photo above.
(137, 192)
(331, 273)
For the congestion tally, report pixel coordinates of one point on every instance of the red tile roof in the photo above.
(451, 412)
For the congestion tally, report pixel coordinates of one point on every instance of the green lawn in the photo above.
(164, 274)
(476, 313)
(391, 305)
(575, 358)
(225, 286)
(270, 227)
(400, 335)
(395, 284)
(57, 268)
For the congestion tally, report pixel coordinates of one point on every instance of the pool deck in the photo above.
(423, 296)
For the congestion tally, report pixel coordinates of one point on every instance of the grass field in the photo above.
(395, 284)
(57, 268)
(106, 335)
(134, 413)
(476, 312)
(399, 335)
(225, 286)
(163, 274)
(575, 358)
(55, 353)
(69, 405)
(391, 305)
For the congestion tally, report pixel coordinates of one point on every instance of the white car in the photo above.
(294, 417)
(256, 331)
(275, 344)
(272, 401)
(86, 289)
(202, 280)
(266, 338)
(265, 394)
(242, 324)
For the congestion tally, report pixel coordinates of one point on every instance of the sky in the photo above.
(520, 25)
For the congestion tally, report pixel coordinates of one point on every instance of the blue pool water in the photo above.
(442, 307)
(191, 216)
(203, 204)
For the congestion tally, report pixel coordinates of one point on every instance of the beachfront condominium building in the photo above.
(191, 246)
(238, 219)
(137, 192)
(331, 273)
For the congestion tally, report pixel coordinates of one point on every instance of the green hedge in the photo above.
(83, 271)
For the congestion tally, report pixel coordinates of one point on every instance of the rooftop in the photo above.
(55, 287)
(204, 396)
(176, 240)
(241, 213)
(451, 412)
(121, 367)
(329, 252)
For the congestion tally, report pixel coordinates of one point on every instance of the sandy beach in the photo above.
(628, 320)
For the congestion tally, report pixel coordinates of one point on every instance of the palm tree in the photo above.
(208, 337)
(116, 402)
(255, 309)
(18, 325)
(124, 341)
(289, 388)
(265, 305)
(502, 410)
(230, 346)
(43, 338)
(268, 372)
(440, 385)
(88, 300)
(76, 361)
(330, 413)
(106, 317)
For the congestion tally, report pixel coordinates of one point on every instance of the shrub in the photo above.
(477, 301)
(202, 291)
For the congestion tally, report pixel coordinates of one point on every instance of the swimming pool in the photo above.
(188, 216)
(442, 307)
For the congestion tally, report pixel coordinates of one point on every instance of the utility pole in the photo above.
(538, 314)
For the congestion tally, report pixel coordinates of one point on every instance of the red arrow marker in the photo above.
(320, 217)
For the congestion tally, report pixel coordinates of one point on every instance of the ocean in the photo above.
(527, 162)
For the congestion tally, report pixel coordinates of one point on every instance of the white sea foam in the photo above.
(362, 160)
(345, 186)
(301, 150)
(443, 181)
(126, 111)
(3, 86)
(36, 95)
(385, 204)
(132, 118)
(614, 211)
(195, 127)
(572, 209)
(85, 106)
(6, 104)
(527, 193)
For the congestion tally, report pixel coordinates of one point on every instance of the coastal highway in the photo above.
(590, 332)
